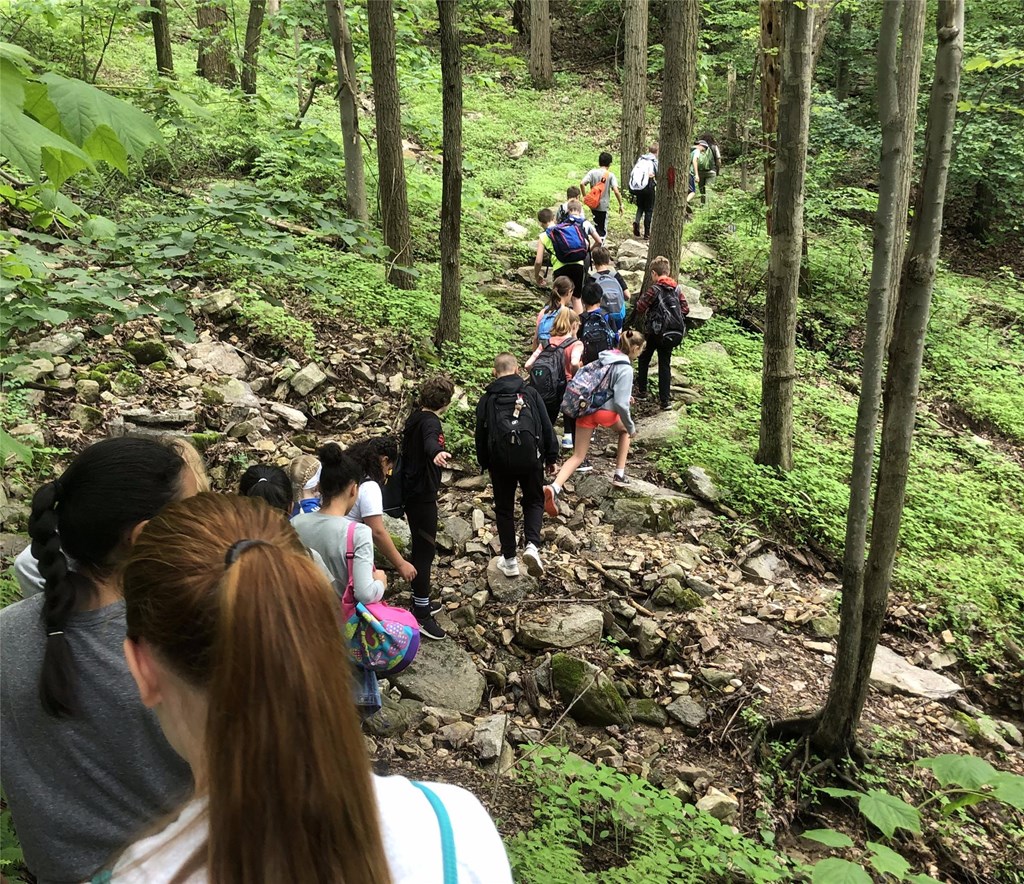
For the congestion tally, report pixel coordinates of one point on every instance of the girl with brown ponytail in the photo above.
(233, 638)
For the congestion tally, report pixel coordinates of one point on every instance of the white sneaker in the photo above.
(567, 441)
(534, 566)
(508, 567)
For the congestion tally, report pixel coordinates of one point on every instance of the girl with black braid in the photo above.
(85, 765)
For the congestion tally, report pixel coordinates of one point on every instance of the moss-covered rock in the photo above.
(108, 367)
(212, 396)
(87, 417)
(672, 594)
(125, 383)
(600, 703)
(647, 712)
(146, 352)
(202, 441)
(102, 379)
(159, 365)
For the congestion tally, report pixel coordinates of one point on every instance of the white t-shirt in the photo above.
(409, 827)
(370, 501)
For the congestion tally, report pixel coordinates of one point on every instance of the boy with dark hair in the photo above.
(614, 292)
(571, 193)
(602, 178)
(423, 457)
(575, 231)
(665, 308)
(514, 439)
(595, 331)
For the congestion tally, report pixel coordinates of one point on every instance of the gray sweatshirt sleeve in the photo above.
(366, 589)
(26, 571)
(622, 389)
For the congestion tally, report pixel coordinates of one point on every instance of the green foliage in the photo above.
(580, 807)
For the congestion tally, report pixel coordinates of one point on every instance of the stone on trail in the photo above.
(400, 533)
(515, 230)
(826, 626)
(634, 280)
(58, 344)
(631, 248)
(306, 380)
(394, 719)
(720, 805)
(291, 416)
(88, 390)
(699, 250)
(489, 736)
(699, 311)
(214, 357)
(509, 590)
(33, 372)
(599, 703)
(172, 417)
(459, 530)
(699, 482)
(891, 673)
(639, 507)
(146, 352)
(518, 149)
(443, 675)
(687, 711)
(658, 429)
(648, 642)
(765, 567)
(560, 627)
(672, 594)
(647, 712)
(231, 391)
(87, 417)
(457, 734)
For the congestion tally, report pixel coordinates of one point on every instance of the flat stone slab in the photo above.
(561, 627)
(443, 675)
(658, 429)
(891, 673)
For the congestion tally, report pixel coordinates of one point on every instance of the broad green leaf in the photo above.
(39, 106)
(889, 813)
(967, 771)
(1009, 788)
(964, 800)
(12, 87)
(839, 871)
(15, 53)
(887, 861)
(98, 227)
(103, 144)
(187, 103)
(841, 793)
(9, 446)
(60, 165)
(828, 837)
(922, 878)
(22, 140)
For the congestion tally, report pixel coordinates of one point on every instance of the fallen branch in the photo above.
(611, 578)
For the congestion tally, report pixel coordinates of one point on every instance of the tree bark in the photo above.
(448, 320)
(779, 371)
(730, 108)
(394, 200)
(634, 87)
(521, 17)
(843, 55)
(273, 7)
(251, 51)
(161, 37)
(541, 71)
(214, 62)
(677, 122)
(823, 12)
(771, 46)
(348, 89)
(837, 727)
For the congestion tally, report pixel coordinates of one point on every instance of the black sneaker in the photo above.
(636, 229)
(585, 467)
(621, 481)
(429, 628)
(665, 406)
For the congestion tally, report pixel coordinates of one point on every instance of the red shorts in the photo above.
(600, 418)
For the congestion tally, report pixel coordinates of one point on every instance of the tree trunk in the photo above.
(214, 62)
(521, 17)
(251, 52)
(273, 7)
(837, 727)
(448, 320)
(161, 37)
(771, 45)
(823, 12)
(779, 370)
(677, 122)
(843, 55)
(394, 200)
(344, 60)
(730, 108)
(634, 88)
(748, 106)
(540, 45)
(914, 18)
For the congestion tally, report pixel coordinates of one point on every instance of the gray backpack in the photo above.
(613, 299)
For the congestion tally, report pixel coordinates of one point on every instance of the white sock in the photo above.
(532, 546)
(556, 488)
(620, 473)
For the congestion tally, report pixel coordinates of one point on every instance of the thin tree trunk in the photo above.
(344, 60)
(779, 371)
(771, 45)
(837, 730)
(748, 105)
(914, 20)
(823, 12)
(843, 55)
(251, 51)
(394, 200)
(214, 59)
(273, 7)
(521, 17)
(161, 37)
(541, 71)
(448, 320)
(730, 108)
(634, 87)
(677, 122)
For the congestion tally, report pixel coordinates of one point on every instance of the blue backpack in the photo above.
(544, 328)
(569, 241)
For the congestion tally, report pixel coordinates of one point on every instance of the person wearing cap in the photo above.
(701, 162)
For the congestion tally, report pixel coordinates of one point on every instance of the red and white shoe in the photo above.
(550, 501)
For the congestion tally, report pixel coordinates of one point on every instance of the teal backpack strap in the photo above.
(451, 871)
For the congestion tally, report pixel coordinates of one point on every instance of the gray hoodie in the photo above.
(621, 385)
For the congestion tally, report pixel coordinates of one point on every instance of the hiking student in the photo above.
(600, 392)
(514, 440)
(642, 184)
(233, 636)
(423, 458)
(595, 331)
(304, 471)
(546, 219)
(664, 308)
(702, 160)
(552, 365)
(377, 458)
(569, 246)
(597, 188)
(571, 193)
(715, 168)
(614, 292)
(562, 294)
(85, 765)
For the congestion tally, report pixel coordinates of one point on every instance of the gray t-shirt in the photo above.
(80, 788)
(594, 177)
(328, 535)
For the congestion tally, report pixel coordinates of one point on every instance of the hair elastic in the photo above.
(58, 632)
(240, 547)
(261, 479)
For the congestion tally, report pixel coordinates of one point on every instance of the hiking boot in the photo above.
(508, 567)
(621, 481)
(585, 467)
(636, 229)
(534, 566)
(550, 501)
(567, 441)
(429, 628)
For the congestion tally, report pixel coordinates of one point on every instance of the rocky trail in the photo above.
(663, 633)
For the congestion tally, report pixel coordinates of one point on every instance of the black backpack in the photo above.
(392, 492)
(665, 318)
(547, 375)
(596, 335)
(513, 433)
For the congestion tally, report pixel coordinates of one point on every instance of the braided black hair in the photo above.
(368, 454)
(85, 515)
(269, 483)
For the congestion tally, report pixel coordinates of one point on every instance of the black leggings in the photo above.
(644, 207)
(422, 516)
(577, 273)
(643, 364)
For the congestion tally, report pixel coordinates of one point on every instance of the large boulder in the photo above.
(657, 430)
(699, 312)
(599, 702)
(642, 506)
(57, 344)
(700, 251)
(509, 590)
(699, 482)
(561, 627)
(231, 391)
(631, 248)
(214, 357)
(891, 673)
(442, 675)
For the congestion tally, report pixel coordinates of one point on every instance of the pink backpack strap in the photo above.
(350, 558)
